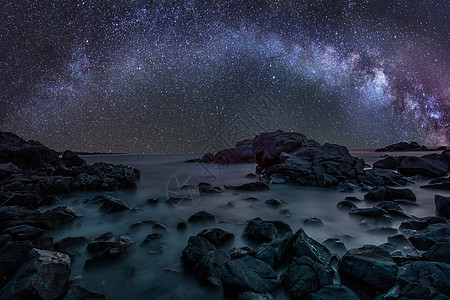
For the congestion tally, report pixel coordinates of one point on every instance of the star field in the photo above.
(194, 76)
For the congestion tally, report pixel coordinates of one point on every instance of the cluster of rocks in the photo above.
(291, 157)
(435, 166)
(32, 265)
(404, 146)
(30, 172)
(411, 265)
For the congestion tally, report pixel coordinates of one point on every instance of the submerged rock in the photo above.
(369, 271)
(248, 274)
(389, 194)
(304, 276)
(251, 186)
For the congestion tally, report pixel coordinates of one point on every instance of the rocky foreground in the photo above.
(32, 266)
(412, 264)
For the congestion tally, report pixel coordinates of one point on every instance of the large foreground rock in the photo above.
(369, 271)
(210, 267)
(248, 274)
(43, 276)
(196, 248)
(305, 276)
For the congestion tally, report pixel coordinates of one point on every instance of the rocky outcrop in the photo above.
(241, 153)
(283, 157)
(404, 146)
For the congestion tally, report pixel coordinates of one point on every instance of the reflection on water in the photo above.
(142, 275)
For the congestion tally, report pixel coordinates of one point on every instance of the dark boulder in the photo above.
(399, 243)
(202, 217)
(196, 248)
(389, 194)
(210, 267)
(393, 209)
(248, 274)
(336, 245)
(216, 236)
(79, 293)
(12, 255)
(260, 231)
(268, 146)
(438, 252)
(381, 177)
(413, 165)
(386, 163)
(423, 280)
(43, 276)
(69, 244)
(433, 234)
(275, 252)
(102, 242)
(118, 250)
(333, 291)
(305, 276)
(303, 245)
(442, 206)
(274, 202)
(71, 159)
(239, 252)
(373, 212)
(369, 271)
(345, 205)
(111, 205)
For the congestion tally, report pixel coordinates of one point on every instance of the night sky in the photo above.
(195, 76)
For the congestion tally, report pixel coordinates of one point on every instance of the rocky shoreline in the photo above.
(413, 263)
(32, 266)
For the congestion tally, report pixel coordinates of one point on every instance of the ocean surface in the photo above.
(145, 275)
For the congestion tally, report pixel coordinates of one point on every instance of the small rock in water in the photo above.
(353, 199)
(345, 205)
(152, 201)
(313, 222)
(202, 217)
(383, 230)
(251, 186)
(335, 245)
(389, 194)
(285, 212)
(182, 226)
(102, 242)
(274, 202)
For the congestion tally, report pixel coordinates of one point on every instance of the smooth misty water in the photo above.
(141, 275)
